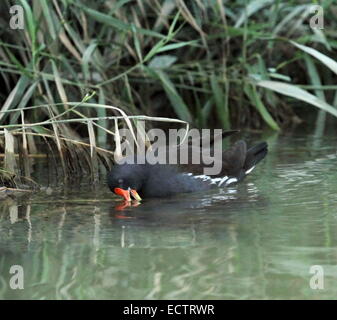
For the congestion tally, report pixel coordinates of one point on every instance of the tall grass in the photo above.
(210, 63)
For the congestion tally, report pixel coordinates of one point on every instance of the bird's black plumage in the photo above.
(164, 180)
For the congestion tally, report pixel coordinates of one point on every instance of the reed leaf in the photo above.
(253, 95)
(297, 93)
(327, 61)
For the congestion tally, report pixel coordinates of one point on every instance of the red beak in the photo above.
(126, 194)
(123, 193)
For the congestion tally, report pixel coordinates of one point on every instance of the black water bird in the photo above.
(165, 180)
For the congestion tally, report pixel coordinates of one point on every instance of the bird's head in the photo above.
(126, 180)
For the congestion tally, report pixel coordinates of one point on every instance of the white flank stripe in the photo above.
(231, 180)
(219, 181)
(250, 170)
(203, 177)
(224, 179)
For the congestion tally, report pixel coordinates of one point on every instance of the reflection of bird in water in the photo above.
(188, 207)
(185, 221)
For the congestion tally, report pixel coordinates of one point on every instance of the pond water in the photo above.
(257, 240)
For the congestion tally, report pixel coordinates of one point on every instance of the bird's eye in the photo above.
(120, 181)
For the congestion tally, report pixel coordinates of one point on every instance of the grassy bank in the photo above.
(234, 64)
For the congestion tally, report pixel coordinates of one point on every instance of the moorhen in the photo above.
(165, 180)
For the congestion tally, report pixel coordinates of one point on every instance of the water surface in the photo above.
(256, 240)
